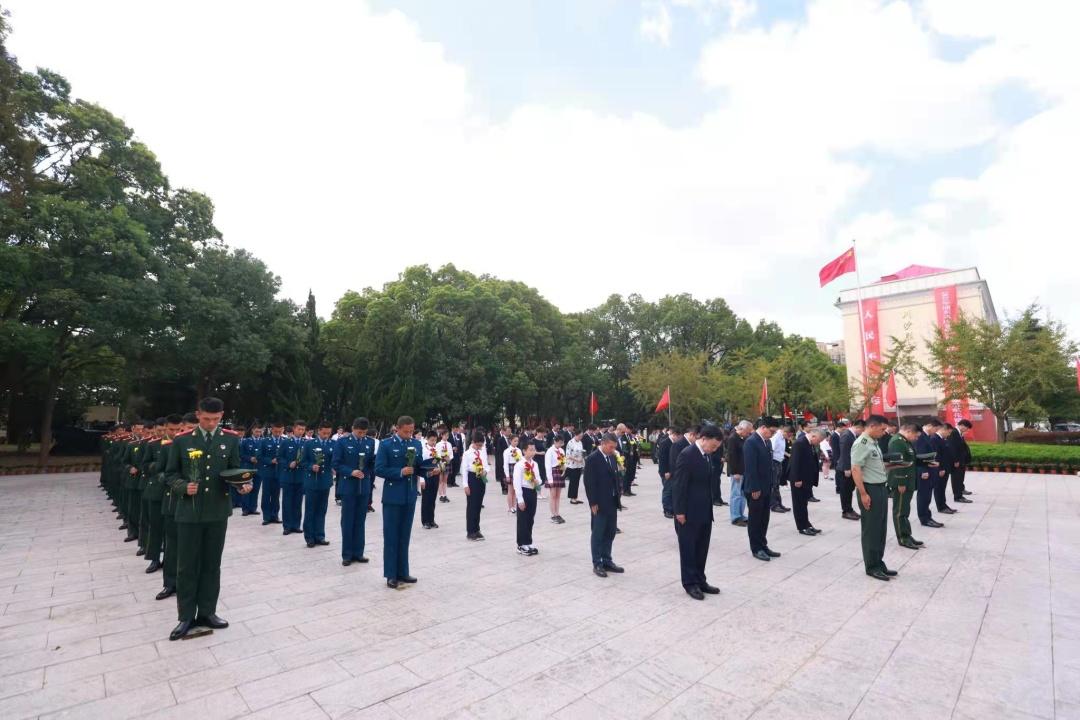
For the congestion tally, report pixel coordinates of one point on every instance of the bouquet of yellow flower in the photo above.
(560, 458)
(478, 467)
(193, 464)
(516, 455)
(620, 462)
(531, 476)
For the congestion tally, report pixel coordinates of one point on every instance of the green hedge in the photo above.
(1057, 458)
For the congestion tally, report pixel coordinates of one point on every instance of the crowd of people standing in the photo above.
(157, 472)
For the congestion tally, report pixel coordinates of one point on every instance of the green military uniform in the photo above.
(866, 455)
(133, 498)
(202, 518)
(153, 490)
(144, 511)
(902, 478)
(114, 481)
(168, 524)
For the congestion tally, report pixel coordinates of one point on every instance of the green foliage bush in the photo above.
(1059, 458)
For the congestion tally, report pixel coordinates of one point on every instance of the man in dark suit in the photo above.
(803, 471)
(926, 472)
(945, 466)
(628, 450)
(663, 462)
(843, 476)
(457, 439)
(588, 440)
(602, 491)
(691, 497)
(502, 443)
(961, 458)
(757, 486)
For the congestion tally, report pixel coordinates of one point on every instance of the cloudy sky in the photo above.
(587, 147)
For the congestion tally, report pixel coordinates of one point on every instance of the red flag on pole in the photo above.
(594, 407)
(1078, 374)
(787, 413)
(840, 266)
(665, 400)
(764, 401)
(890, 391)
(808, 416)
(828, 414)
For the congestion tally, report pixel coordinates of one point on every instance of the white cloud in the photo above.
(656, 24)
(340, 146)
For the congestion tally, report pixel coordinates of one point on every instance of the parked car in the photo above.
(1067, 427)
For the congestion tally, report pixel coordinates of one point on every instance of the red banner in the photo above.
(872, 351)
(955, 383)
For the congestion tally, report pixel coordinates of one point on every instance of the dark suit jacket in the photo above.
(673, 452)
(587, 443)
(923, 445)
(663, 455)
(847, 440)
(804, 467)
(958, 446)
(501, 444)
(691, 493)
(944, 452)
(834, 446)
(757, 464)
(601, 482)
(734, 454)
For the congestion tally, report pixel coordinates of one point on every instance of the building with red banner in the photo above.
(915, 300)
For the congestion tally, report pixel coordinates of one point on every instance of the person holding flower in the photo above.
(438, 454)
(511, 457)
(291, 478)
(317, 462)
(475, 465)
(193, 471)
(527, 481)
(555, 459)
(444, 450)
(354, 462)
(575, 464)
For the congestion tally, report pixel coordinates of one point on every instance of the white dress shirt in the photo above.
(551, 460)
(779, 447)
(469, 459)
(519, 478)
(510, 458)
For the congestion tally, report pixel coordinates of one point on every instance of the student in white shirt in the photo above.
(431, 488)
(511, 457)
(476, 471)
(444, 448)
(555, 461)
(527, 481)
(575, 465)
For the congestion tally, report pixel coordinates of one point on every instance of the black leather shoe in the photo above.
(267, 522)
(695, 592)
(947, 510)
(130, 538)
(669, 515)
(407, 579)
(807, 531)
(962, 499)
(346, 562)
(392, 584)
(123, 527)
(153, 567)
(780, 509)
(311, 544)
(891, 573)
(212, 621)
(165, 593)
(814, 530)
(360, 559)
(140, 552)
(771, 553)
(813, 500)
(908, 544)
(709, 589)
(741, 522)
(598, 571)
(629, 494)
(722, 504)
(181, 629)
(919, 543)
(850, 515)
(933, 524)
(612, 567)
(878, 575)
(968, 492)
(762, 555)
(322, 542)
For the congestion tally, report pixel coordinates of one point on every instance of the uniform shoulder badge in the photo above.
(166, 442)
(182, 434)
(234, 433)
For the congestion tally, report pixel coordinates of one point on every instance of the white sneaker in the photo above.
(522, 550)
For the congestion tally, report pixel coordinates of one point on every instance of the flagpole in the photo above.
(669, 406)
(862, 330)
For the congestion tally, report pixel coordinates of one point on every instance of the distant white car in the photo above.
(1067, 427)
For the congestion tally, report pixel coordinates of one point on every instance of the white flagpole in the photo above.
(862, 330)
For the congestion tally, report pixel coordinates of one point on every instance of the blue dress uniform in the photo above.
(249, 458)
(398, 502)
(355, 494)
(292, 482)
(268, 475)
(317, 487)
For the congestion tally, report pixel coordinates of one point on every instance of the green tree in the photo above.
(693, 381)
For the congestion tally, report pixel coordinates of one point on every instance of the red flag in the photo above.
(764, 401)
(828, 414)
(665, 400)
(1078, 374)
(890, 391)
(808, 416)
(787, 413)
(594, 407)
(840, 266)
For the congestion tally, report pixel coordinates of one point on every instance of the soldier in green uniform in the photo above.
(130, 465)
(154, 492)
(152, 435)
(169, 501)
(902, 483)
(202, 514)
(869, 473)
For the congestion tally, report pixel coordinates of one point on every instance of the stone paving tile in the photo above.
(984, 622)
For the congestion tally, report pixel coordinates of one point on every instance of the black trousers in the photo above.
(428, 496)
(477, 488)
(198, 568)
(154, 530)
(170, 541)
(694, 539)
(958, 475)
(940, 483)
(924, 490)
(846, 486)
(757, 521)
(717, 494)
(800, 500)
(602, 536)
(134, 504)
(777, 499)
(629, 476)
(573, 479)
(526, 517)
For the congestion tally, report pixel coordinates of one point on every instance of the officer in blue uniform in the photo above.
(249, 458)
(268, 473)
(318, 479)
(291, 477)
(402, 472)
(354, 463)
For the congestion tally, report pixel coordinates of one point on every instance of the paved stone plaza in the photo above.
(984, 623)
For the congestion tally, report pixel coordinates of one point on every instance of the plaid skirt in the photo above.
(558, 480)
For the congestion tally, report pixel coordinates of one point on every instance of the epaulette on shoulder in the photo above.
(234, 433)
(166, 442)
(182, 434)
